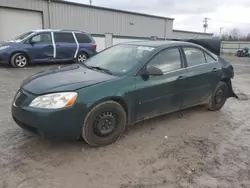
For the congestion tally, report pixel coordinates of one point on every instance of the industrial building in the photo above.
(107, 26)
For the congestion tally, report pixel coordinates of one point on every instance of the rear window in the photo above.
(194, 56)
(64, 38)
(209, 58)
(82, 38)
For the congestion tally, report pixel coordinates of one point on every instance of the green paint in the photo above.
(142, 92)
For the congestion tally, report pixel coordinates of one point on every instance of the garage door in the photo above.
(14, 22)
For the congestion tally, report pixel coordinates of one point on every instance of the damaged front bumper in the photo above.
(231, 92)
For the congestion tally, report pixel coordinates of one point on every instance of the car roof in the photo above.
(56, 30)
(156, 44)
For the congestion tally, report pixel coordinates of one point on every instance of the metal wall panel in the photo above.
(98, 21)
(94, 20)
(37, 5)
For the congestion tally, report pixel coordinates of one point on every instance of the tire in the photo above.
(219, 97)
(81, 57)
(19, 60)
(104, 124)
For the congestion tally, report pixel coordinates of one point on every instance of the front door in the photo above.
(40, 47)
(66, 46)
(157, 95)
(203, 73)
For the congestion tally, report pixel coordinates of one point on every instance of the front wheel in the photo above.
(19, 60)
(104, 124)
(219, 97)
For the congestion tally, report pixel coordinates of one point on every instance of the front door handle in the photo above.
(181, 77)
(215, 69)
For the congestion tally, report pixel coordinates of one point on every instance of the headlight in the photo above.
(54, 100)
(4, 47)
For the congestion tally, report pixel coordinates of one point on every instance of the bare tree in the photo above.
(230, 38)
(224, 37)
(235, 34)
(248, 37)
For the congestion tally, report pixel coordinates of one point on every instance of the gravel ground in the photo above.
(191, 148)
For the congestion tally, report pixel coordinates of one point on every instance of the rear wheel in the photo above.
(81, 57)
(104, 124)
(19, 60)
(219, 97)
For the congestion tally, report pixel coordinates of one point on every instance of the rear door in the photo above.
(66, 46)
(203, 74)
(40, 47)
(160, 94)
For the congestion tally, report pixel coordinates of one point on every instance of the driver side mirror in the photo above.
(151, 71)
(31, 42)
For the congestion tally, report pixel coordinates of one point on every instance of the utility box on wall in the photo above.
(108, 40)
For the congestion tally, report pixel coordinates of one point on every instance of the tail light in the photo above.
(94, 46)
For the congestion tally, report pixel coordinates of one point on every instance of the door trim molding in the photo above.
(177, 70)
(77, 44)
(54, 44)
(201, 64)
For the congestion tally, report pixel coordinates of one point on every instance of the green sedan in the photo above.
(120, 86)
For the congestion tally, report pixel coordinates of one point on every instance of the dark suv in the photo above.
(47, 46)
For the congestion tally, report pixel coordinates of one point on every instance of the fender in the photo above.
(123, 102)
(84, 50)
(231, 93)
(19, 51)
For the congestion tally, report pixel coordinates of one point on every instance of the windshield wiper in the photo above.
(101, 69)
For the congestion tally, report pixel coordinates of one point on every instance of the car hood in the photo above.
(5, 43)
(65, 78)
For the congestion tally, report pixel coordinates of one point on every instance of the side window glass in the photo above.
(82, 38)
(167, 60)
(209, 58)
(194, 56)
(43, 38)
(64, 38)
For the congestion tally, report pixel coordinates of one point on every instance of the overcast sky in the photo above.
(189, 14)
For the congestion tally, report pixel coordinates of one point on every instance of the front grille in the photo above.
(20, 98)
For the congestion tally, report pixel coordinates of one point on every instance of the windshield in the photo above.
(119, 59)
(22, 36)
